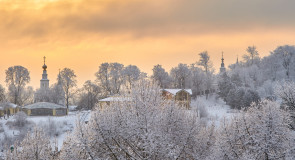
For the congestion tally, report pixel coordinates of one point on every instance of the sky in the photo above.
(82, 34)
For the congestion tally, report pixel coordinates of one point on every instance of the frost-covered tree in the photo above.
(68, 80)
(160, 76)
(27, 97)
(2, 94)
(140, 126)
(251, 55)
(116, 80)
(260, 133)
(236, 79)
(131, 74)
(89, 95)
(286, 54)
(103, 78)
(36, 145)
(180, 76)
(240, 97)
(197, 79)
(110, 78)
(235, 97)
(225, 85)
(17, 77)
(286, 91)
(206, 63)
(251, 96)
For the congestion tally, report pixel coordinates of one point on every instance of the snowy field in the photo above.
(211, 110)
(56, 127)
(216, 110)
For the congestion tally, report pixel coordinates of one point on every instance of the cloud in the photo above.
(80, 18)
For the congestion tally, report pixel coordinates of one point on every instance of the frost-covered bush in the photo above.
(286, 91)
(260, 133)
(36, 145)
(20, 119)
(267, 90)
(52, 128)
(143, 126)
(202, 109)
(240, 97)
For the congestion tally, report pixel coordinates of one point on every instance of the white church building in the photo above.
(48, 101)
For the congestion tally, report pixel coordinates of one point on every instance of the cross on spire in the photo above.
(44, 59)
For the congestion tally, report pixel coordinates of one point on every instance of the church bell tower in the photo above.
(44, 82)
(222, 68)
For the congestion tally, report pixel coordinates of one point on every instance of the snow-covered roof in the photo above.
(72, 108)
(8, 105)
(1, 108)
(44, 105)
(175, 91)
(115, 99)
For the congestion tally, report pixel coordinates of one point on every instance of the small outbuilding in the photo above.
(109, 100)
(182, 96)
(45, 109)
(8, 108)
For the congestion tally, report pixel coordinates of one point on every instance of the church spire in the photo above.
(237, 59)
(44, 66)
(222, 68)
(222, 60)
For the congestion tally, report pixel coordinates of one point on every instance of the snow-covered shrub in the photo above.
(20, 119)
(266, 90)
(36, 145)
(240, 97)
(51, 128)
(144, 126)
(6, 140)
(260, 133)
(286, 91)
(202, 109)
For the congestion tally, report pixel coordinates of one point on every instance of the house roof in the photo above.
(115, 99)
(1, 108)
(175, 91)
(43, 105)
(8, 105)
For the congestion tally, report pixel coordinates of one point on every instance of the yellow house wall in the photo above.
(1, 113)
(28, 112)
(53, 112)
(187, 101)
(11, 110)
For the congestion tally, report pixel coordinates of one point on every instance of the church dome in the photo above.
(44, 67)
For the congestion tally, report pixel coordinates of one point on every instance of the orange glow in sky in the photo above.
(82, 34)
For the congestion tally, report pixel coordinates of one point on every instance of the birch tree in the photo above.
(160, 76)
(206, 63)
(68, 79)
(17, 77)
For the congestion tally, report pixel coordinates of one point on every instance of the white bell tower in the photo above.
(44, 82)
